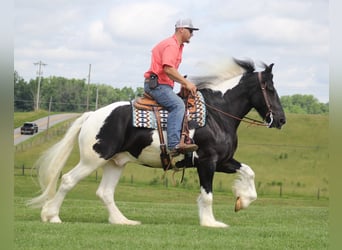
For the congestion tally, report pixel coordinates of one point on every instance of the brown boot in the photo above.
(183, 148)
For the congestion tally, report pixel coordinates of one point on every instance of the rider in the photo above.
(160, 78)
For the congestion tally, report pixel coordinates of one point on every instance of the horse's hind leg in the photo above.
(110, 178)
(50, 211)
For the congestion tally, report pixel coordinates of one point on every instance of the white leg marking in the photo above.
(50, 210)
(110, 178)
(205, 202)
(244, 187)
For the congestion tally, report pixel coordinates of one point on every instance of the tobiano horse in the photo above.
(107, 139)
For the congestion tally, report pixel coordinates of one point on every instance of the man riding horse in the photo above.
(159, 83)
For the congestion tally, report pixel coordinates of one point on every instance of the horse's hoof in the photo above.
(134, 223)
(215, 224)
(55, 219)
(52, 219)
(124, 222)
(238, 205)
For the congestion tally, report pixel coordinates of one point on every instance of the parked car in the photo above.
(29, 128)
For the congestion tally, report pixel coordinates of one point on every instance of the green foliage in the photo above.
(303, 104)
(71, 95)
(23, 94)
(67, 95)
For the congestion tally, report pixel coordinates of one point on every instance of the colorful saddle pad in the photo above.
(147, 119)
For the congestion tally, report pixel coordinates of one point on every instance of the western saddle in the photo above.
(146, 102)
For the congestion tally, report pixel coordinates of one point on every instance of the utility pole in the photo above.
(88, 88)
(39, 73)
(97, 97)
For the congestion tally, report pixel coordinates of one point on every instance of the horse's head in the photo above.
(263, 95)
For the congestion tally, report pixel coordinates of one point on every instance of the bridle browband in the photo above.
(247, 119)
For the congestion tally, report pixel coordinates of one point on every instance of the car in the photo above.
(29, 128)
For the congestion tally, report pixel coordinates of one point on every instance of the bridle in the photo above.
(247, 119)
(263, 89)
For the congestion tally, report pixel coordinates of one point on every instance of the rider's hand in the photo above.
(191, 87)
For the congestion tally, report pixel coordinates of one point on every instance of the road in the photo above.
(43, 125)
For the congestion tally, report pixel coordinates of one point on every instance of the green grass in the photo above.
(170, 221)
(21, 117)
(295, 157)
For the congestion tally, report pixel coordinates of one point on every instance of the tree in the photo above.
(303, 104)
(70, 95)
(23, 97)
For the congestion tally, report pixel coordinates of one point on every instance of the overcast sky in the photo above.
(116, 38)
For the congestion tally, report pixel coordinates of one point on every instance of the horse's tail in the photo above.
(51, 163)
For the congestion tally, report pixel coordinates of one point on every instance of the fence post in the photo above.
(281, 190)
(23, 169)
(318, 193)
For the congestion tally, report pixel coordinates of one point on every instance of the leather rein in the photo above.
(247, 119)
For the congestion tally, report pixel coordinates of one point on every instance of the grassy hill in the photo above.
(295, 157)
(289, 162)
(293, 160)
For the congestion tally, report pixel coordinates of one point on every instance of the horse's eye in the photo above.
(269, 85)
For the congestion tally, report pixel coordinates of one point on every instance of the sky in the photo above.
(116, 39)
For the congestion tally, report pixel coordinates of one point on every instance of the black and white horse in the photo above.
(107, 139)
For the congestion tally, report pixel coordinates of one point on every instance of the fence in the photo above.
(277, 190)
(190, 181)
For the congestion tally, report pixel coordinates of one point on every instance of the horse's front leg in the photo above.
(243, 187)
(205, 199)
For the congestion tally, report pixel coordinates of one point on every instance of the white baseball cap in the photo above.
(185, 23)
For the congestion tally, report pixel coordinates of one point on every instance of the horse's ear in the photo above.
(269, 68)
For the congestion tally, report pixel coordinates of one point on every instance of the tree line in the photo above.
(303, 104)
(60, 94)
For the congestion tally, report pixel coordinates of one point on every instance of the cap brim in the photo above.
(190, 28)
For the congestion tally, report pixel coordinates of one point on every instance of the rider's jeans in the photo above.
(166, 97)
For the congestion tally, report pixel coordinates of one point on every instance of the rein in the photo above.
(247, 119)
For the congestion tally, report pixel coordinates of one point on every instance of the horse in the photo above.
(107, 139)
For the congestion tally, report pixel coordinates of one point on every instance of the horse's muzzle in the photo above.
(275, 121)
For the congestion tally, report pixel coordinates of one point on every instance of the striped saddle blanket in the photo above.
(144, 118)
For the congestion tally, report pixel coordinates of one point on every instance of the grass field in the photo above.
(170, 221)
(292, 161)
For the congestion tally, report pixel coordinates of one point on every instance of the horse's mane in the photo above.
(223, 73)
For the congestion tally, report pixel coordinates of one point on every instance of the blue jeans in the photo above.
(175, 106)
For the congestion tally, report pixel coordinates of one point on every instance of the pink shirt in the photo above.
(167, 52)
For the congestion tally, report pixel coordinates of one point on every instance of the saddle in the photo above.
(146, 102)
